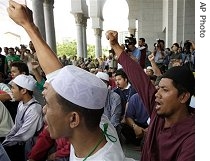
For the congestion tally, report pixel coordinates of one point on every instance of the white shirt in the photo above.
(111, 151)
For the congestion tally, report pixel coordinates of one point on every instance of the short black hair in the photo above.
(161, 41)
(142, 39)
(22, 67)
(176, 44)
(92, 117)
(11, 48)
(121, 73)
(183, 79)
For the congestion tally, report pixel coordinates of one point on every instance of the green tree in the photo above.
(68, 48)
(91, 51)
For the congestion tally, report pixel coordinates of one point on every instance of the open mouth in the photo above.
(158, 105)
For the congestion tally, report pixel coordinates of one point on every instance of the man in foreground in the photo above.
(74, 100)
(171, 133)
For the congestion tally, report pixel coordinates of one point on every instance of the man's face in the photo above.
(168, 102)
(6, 50)
(121, 82)
(56, 119)
(11, 51)
(149, 72)
(14, 72)
(16, 92)
(175, 48)
(131, 47)
(141, 43)
(161, 45)
(31, 46)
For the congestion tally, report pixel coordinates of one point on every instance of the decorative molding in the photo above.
(97, 32)
(79, 18)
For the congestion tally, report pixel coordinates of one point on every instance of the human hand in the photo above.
(35, 64)
(139, 131)
(151, 57)
(20, 14)
(112, 36)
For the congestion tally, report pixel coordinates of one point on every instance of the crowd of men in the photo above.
(85, 111)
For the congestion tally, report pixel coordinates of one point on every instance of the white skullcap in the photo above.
(25, 81)
(80, 87)
(103, 76)
(149, 67)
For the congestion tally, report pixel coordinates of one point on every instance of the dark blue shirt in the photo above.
(125, 95)
(136, 110)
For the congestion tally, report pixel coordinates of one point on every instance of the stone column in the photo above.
(169, 28)
(49, 24)
(84, 37)
(38, 16)
(98, 32)
(79, 26)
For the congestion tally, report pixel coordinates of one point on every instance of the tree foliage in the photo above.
(69, 48)
(91, 51)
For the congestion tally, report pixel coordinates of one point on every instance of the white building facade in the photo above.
(169, 20)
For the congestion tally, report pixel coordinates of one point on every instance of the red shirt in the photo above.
(43, 144)
(112, 83)
(176, 143)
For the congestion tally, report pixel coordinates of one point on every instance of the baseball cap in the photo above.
(80, 87)
(24, 81)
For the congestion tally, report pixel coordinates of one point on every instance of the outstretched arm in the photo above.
(155, 68)
(22, 16)
(112, 36)
(139, 80)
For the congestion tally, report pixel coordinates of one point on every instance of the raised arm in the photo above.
(112, 36)
(134, 71)
(22, 16)
(155, 68)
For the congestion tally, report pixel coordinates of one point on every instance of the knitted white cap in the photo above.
(103, 76)
(80, 87)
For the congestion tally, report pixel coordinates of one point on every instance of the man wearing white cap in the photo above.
(113, 108)
(28, 120)
(75, 100)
